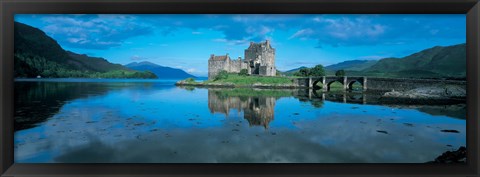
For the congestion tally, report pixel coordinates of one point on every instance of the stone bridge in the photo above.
(375, 83)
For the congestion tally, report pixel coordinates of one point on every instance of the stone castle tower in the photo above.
(259, 60)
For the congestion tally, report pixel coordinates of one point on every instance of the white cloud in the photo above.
(302, 33)
(137, 57)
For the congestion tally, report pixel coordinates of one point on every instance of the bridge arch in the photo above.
(326, 81)
(315, 82)
(329, 84)
(352, 82)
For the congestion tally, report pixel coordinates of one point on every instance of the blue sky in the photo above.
(186, 41)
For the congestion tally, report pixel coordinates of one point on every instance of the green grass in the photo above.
(190, 80)
(249, 80)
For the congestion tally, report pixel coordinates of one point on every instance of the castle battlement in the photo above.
(259, 60)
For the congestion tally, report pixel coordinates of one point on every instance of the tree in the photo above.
(278, 73)
(304, 72)
(190, 79)
(221, 75)
(243, 72)
(317, 71)
(340, 73)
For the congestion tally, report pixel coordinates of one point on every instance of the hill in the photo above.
(292, 71)
(37, 54)
(160, 71)
(351, 65)
(449, 61)
(436, 62)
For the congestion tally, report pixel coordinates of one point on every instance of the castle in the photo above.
(259, 60)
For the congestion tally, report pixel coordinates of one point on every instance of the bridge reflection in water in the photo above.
(258, 105)
(345, 97)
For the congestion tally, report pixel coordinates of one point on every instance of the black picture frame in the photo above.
(10, 7)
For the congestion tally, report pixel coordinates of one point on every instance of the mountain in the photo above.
(95, 63)
(37, 54)
(160, 71)
(449, 61)
(351, 65)
(292, 71)
(436, 62)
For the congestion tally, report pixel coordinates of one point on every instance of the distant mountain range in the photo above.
(38, 55)
(160, 71)
(352, 65)
(435, 62)
(447, 61)
(292, 71)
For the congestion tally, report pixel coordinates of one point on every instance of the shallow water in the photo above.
(153, 121)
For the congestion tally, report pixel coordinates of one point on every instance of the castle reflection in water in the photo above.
(257, 110)
(258, 105)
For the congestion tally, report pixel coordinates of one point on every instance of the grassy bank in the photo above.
(249, 80)
(243, 81)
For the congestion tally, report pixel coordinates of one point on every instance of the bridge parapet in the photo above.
(376, 83)
(326, 81)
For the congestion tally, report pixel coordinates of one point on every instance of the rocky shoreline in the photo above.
(427, 95)
(451, 157)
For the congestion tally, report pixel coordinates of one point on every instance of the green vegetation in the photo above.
(340, 73)
(234, 78)
(222, 75)
(351, 65)
(303, 72)
(318, 70)
(190, 80)
(293, 71)
(243, 72)
(436, 62)
(279, 73)
(36, 54)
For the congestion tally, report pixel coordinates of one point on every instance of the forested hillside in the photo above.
(37, 54)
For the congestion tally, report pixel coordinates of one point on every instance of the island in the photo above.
(257, 70)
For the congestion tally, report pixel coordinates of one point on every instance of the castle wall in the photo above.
(235, 66)
(214, 67)
(263, 54)
(259, 59)
(231, 66)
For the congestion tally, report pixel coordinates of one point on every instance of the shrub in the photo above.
(340, 73)
(221, 75)
(317, 71)
(304, 72)
(243, 72)
(278, 73)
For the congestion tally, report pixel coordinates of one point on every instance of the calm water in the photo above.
(153, 121)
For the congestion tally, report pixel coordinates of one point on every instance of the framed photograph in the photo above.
(250, 88)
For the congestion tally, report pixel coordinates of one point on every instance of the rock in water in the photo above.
(450, 131)
(458, 156)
